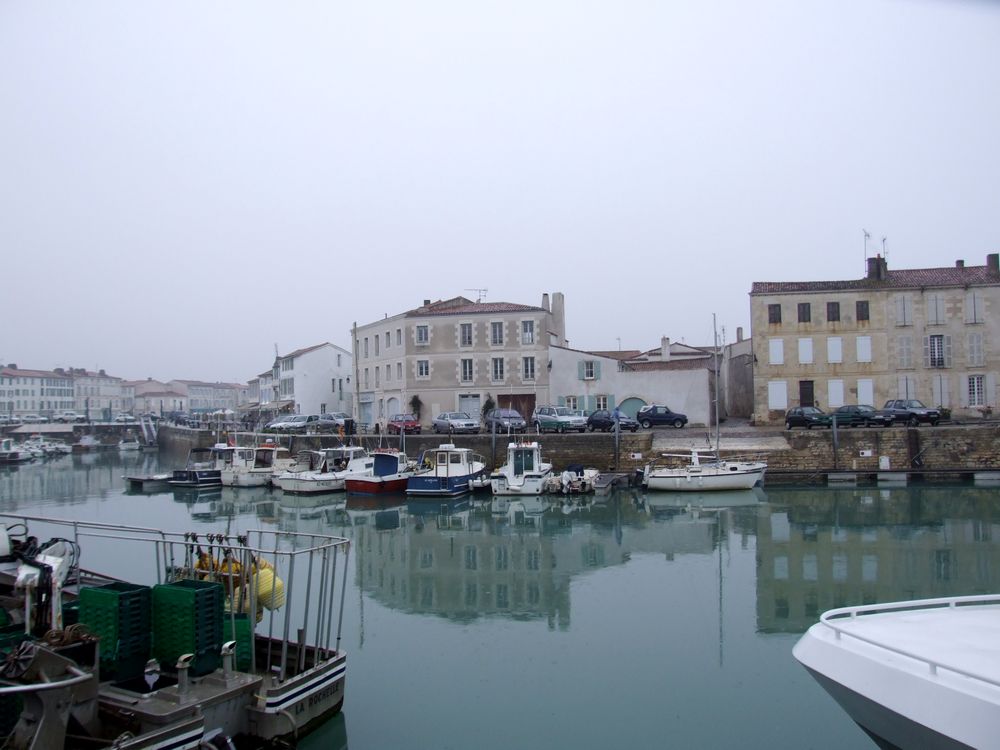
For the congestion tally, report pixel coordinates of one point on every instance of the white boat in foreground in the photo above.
(915, 674)
(524, 473)
(704, 471)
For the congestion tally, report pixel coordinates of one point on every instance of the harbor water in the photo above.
(633, 620)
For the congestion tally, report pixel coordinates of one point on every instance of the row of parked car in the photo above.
(63, 417)
(503, 420)
(896, 411)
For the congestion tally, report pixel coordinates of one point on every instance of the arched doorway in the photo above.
(392, 406)
(630, 406)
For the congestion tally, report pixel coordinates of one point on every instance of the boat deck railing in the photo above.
(260, 570)
(830, 618)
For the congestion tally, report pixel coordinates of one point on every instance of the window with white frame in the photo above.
(935, 309)
(937, 351)
(378, 371)
(777, 394)
(588, 370)
(977, 390)
(975, 306)
(571, 402)
(496, 333)
(399, 337)
(904, 347)
(601, 402)
(466, 370)
(497, 368)
(465, 334)
(423, 368)
(422, 334)
(366, 377)
(376, 344)
(975, 354)
(775, 352)
(805, 351)
(388, 373)
(527, 332)
(366, 347)
(528, 368)
(834, 350)
(904, 310)
(388, 340)
(864, 348)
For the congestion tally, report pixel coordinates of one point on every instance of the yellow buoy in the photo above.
(270, 588)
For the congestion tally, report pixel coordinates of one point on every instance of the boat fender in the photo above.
(270, 589)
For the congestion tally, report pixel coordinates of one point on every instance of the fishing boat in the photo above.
(203, 467)
(524, 473)
(391, 470)
(449, 471)
(333, 466)
(257, 470)
(11, 453)
(912, 674)
(573, 480)
(129, 444)
(235, 463)
(210, 642)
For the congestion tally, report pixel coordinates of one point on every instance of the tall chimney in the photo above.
(664, 348)
(739, 334)
(959, 264)
(877, 268)
(545, 302)
(559, 316)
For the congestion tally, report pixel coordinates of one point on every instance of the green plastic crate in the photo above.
(240, 629)
(120, 615)
(187, 619)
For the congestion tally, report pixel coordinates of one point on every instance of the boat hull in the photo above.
(684, 481)
(232, 478)
(195, 478)
(533, 484)
(432, 486)
(306, 486)
(311, 698)
(376, 485)
(912, 674)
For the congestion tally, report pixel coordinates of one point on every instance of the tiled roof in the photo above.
(913, 278)
(620, 354)
(9, 372)
(308, 349)
(203, 384)
(160, 393)
(463, 306)
(701, 363)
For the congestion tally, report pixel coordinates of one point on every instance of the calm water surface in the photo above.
(637, 622)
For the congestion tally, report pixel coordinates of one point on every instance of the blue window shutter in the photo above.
(611, 402)
(591, 403)
(579, 370)
(562, 401)
(597, 370)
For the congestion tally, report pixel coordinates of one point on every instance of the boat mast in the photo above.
(715, 337)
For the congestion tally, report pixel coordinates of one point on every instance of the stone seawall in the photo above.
(792, 456)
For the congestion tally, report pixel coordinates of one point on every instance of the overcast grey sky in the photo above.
(184, 185)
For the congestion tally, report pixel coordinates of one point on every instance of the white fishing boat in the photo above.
(575, 479)
(11, 453)
(913, 674)
(129, 445)
(205, 646)
(524, 472)
(332, 469)
(702, 471)
(449, 472)
(255, 467)
(203, 467)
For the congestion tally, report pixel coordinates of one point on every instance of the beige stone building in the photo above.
(931, 334)
(454, 354)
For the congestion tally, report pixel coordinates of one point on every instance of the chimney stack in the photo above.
(877, 268)
(959, 264)
(739, 334)
(993, 263)
(545, 302)
(665, 349)
(559, 317)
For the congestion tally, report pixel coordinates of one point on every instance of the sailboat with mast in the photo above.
(704, 470)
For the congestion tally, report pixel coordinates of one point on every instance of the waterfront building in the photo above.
(97, 395)
(454, 355)
(41, 392)
(204, 398)
(925, 333)
(312, 380)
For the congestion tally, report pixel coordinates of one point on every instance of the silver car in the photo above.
(505, 420)
(454, 421)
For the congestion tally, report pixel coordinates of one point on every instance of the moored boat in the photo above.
(912, 674)
(524, 472)
(332, 467)
(265, 462)
(703, 471)
(449, 472)
(391, 469)
(203, 467)
(212, 648)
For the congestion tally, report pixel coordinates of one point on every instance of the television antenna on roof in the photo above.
(480, 293)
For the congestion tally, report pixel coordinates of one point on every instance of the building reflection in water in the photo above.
(826, 548)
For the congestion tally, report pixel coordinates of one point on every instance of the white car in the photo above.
(124, 418)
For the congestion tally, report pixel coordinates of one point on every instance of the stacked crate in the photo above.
(119, 614)
(187, 619)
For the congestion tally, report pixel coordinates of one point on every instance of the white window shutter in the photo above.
(835, 393)
(805, 351)
(947, 351)
(866, 392)
(834, 350)
(776, 351)
(963, 391)
(927, 351)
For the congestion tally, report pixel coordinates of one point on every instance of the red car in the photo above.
(403, 423)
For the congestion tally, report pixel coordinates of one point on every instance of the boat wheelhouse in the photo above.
(524, 473)
(391, 470)
(449, 472)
